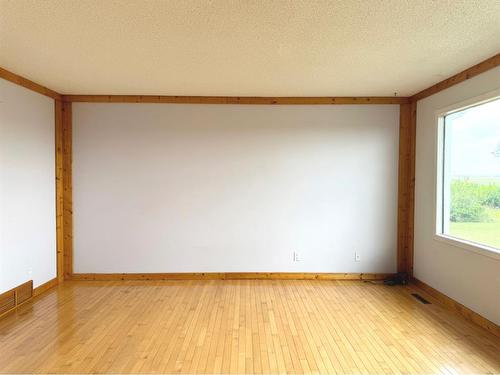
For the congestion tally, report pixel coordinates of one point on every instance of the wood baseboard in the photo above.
(230, 276)
(18, 296)
(15, 297)
(467, 313)
(45, 286)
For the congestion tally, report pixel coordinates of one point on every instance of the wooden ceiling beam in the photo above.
(473, 71)
(234, 99)
(33, 86)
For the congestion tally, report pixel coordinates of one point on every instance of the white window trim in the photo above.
(438, 165)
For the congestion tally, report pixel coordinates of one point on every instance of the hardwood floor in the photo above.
(240, 326)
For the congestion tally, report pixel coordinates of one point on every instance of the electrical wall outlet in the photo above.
(296, 257)
(357, 257)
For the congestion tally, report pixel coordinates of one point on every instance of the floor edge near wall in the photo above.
(230, 276)
(11, 299)
(462, 310)
(443, 299)
(45, 286)
(467, 313)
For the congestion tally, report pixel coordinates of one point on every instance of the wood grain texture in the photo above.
(230, 276)
(473, 71)
(464, 311)
(67, 189)
(406, 187)
(233, 99)
(240, 327)
(7, 301)
(21, 81)
(15, 297)
(59, 189)
(410, 236)
(24, 292)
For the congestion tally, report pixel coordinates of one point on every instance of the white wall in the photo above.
(470, 278)
(230, 188)
(27, 187)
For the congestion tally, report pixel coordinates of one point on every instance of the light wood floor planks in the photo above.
(240, 326)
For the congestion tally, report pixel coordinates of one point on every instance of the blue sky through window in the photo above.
(475, 140)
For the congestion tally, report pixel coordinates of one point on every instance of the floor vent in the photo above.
(7, 301)
(16, 296)
(24, 292)
(420, 298)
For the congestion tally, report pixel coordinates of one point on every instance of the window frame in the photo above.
(439, 120)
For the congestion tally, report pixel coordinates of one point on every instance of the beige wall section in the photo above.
(27, 187)
(197, 188)
(469, 278)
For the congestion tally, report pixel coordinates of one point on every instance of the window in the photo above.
(468, 201)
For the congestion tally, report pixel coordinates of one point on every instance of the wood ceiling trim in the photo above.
(473, 71)
(234, 99)
(33, 86)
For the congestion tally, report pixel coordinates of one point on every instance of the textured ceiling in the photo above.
(245, 47)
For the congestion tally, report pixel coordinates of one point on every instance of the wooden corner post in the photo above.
(64, 211)
(67, 189)
(406, 187)
(64, 201)
(59, 189)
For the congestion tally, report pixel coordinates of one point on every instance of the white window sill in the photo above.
(468, 245)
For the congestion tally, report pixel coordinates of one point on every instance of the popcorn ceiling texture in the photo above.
(245, 48)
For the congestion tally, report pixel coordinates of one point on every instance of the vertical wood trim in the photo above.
(67, 189)
(411, 194)
(402, 260)
(59, 189)
(406, 187)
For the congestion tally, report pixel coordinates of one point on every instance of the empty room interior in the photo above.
(250, 187)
